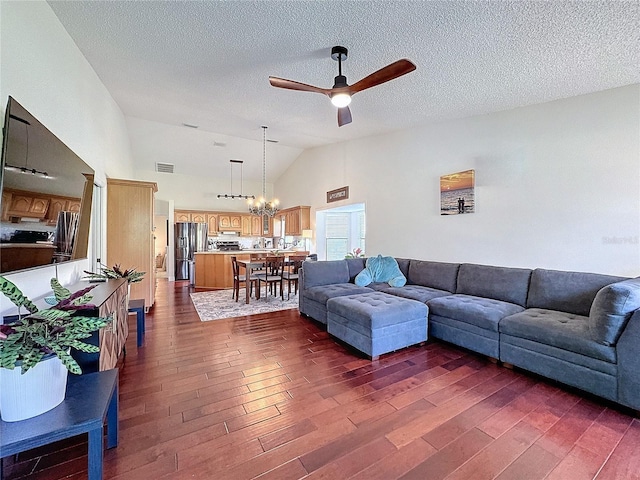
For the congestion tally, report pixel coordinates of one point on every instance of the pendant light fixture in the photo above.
(25, 169)
(261, 207)
(233, 195)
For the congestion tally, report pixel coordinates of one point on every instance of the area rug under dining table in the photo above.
(218, 304)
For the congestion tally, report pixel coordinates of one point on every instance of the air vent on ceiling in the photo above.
(164, 167)
(219, 144)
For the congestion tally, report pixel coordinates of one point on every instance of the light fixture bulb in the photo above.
(341, 100)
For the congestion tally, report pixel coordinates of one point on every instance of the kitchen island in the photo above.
(17, 256)
(213, 268)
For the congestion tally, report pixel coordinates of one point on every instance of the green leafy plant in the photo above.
(356, 253)
(50, 331)
(116, 271)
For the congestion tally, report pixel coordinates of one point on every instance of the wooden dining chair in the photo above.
(291, 275)
(258, 257)
(272, 275)
(238, 279)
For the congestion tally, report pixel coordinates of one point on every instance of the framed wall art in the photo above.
(457, 193)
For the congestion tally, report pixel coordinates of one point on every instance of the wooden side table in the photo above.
(137, 306)
(90, 398)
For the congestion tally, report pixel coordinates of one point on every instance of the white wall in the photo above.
(557, 186)
(42, 68)
(199, 192)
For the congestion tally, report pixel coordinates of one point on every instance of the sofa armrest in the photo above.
(628, 350)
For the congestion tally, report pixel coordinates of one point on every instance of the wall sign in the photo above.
(338, 194)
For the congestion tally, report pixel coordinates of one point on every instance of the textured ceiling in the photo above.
(207, 63)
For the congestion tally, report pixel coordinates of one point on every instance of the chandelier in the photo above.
(261, 207)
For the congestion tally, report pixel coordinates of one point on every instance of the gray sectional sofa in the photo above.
(582, 329)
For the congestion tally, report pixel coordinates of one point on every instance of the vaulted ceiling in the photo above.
(207, 63)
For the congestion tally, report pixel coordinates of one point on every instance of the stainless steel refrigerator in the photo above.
(190, 238)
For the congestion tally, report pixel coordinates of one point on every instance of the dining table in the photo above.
(249, 266)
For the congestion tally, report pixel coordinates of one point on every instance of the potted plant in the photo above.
(35, 350)
(356, 253)
(116, 271)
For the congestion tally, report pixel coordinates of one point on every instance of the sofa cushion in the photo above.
(611, 310)
(562, 330)
(571, 292)
(381, 269)
(500, 283)
(322, 293)
(355, 266)
(325, 273)
(438, 275)
(403, 264)
(413, 292)
(482, 312)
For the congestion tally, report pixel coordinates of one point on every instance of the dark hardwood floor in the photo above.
(273, 396)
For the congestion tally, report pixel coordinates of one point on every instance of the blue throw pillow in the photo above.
(381, 269)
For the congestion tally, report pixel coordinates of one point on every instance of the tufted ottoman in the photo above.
(376, 322)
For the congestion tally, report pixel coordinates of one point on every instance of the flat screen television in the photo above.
(46, 196)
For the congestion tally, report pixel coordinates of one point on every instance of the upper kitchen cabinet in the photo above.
(296, 219)
(61, 204)
(190, 216)
(199, 217)
(267, 226)
(229, 222)
(28, 205)
(212, 221)
(130, 232)
(256, 226)
(245, 231)
(182, 216)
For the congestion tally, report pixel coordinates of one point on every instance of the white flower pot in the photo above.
(37, 391)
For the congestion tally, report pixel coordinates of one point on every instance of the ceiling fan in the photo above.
(342, 92)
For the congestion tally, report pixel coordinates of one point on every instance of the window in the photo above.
(337, 235)
(339, 231)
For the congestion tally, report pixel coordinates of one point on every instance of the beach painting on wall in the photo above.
(457, 195)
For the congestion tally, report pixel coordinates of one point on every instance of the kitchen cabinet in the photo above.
(246, 225)
(212, 221)
(73, 205)
(267, 226)
(130, 237)
(256, 226)
(214, 270)
(182, 216)
(296, 219)
(61, 204)
(199, 217)
(245, 231)
(24, 205)
(229, 222)
(6, 201)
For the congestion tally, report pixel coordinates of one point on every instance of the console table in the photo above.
(90, 398)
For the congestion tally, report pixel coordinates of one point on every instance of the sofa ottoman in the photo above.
(376, 322)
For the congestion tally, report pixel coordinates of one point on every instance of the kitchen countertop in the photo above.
(247, 251)
(27, 245)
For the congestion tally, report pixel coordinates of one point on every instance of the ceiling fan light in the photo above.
(341, 100)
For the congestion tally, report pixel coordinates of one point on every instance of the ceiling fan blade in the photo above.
(291, 85)
(344, 116)
(385, 74)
